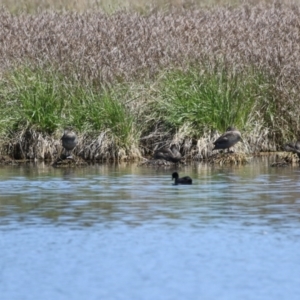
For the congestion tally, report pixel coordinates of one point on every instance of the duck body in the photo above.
(228, 139)
(69, 140)
(182, 180)
(172, 155)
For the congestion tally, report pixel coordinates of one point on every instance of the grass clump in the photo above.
(104, 109)
(46, 101)
(38, 99)
(211, 98)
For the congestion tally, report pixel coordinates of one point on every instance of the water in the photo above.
(125, 232)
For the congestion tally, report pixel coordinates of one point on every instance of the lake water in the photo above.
(125, 232)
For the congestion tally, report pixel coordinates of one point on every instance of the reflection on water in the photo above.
(104, 194)
(125, 232)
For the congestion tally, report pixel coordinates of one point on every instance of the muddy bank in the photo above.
(33, 145)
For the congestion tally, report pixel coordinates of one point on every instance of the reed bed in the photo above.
(130, 82)
(111, 6)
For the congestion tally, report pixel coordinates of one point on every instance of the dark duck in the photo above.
(182, 180)
(228, 139)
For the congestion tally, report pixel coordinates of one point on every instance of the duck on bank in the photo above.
(227, 139)
(69, 140)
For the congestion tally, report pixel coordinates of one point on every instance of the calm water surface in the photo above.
(125, 232)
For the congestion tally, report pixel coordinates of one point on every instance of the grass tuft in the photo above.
(47, 102)
(214, 98)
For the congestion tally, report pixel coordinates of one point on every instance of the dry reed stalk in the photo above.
(103, 148)
(129, 45)
(110, 6)
(31, 144)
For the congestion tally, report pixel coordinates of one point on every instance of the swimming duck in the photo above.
(228, 139)
(182, 180)
(69, 140)
(168, 154)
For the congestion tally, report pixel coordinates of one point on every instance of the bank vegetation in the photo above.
(131, 81)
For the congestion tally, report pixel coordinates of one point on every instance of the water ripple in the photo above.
(244, 195)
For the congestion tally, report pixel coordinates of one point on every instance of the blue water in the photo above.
(125, 232)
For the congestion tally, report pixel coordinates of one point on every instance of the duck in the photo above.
(182, 180)
(172, 155)
(228, 139)
(69, 140)
(293, 147)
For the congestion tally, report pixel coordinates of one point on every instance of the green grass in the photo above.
(39, 99)
(191, 102)
(103, 109)
(47, 101)
(211, 98)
